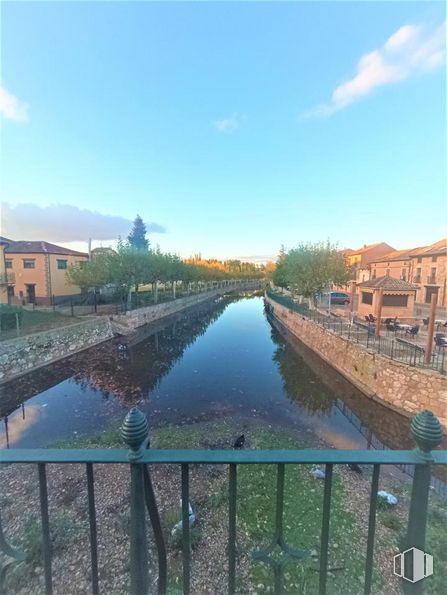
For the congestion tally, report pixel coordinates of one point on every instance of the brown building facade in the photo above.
(36, 271)
(398, 298)
(425, 267)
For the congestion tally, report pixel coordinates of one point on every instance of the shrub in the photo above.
(8, 316)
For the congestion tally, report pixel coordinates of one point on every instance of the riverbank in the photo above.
(401, 387)
(209, 499)
(21, 355)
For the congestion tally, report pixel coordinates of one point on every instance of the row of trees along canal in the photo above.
(311, 269)
(134, 264)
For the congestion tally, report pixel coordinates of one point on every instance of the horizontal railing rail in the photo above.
(224, 457)
(426, 431)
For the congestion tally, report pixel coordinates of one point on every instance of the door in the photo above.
(10, 294)
(31, 294)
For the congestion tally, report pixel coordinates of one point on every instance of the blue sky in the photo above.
(234, 127)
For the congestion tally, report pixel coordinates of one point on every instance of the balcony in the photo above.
(431, 280)
(7, 278)
(427, 434)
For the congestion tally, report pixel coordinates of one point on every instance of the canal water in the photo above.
(224, 359)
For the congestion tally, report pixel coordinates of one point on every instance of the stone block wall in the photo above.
(23, 354)
(128, 322)
(401, 387)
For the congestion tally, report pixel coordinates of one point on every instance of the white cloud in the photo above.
(12, 108)
(229, 124)
(411, 50)
(64, 223)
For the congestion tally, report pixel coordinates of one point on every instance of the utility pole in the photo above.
(431, 328)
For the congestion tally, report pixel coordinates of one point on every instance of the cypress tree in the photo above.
(137, 237)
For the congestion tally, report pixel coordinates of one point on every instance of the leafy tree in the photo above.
(90, 275)
(137, 237)
(311, 268)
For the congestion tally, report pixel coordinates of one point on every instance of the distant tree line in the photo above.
(134, 264)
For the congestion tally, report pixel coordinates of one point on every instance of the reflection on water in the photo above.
(223, 358)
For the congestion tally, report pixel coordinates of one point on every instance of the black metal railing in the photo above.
(397, 344)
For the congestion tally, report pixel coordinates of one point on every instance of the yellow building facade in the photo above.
(33, 271)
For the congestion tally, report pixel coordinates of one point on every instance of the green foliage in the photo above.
(129, 267)
(137, 237)
(92, 274)
(309, 269)
(8, 316)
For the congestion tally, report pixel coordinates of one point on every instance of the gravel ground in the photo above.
(68, 507)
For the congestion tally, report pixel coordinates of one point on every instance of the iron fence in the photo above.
(95, 302)
(426, 432)
(396, 345)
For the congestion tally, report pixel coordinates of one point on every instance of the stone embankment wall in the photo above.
(23, 354)
(128, 322)
(401, 387)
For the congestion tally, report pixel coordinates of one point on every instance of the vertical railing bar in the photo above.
(371, 529)
(232, 498)
(278, 568)
(93, 533)
(185, 529)
(46, 542)
(325, 528)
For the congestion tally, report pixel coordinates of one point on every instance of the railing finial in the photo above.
(135, 432)
(427, 433)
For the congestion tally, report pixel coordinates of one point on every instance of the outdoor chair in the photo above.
(440, 340)
(425, 321)
(413, 330)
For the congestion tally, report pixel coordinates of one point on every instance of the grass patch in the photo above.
(303, 504)
(108, 438)
(37, 320)
(64, 532)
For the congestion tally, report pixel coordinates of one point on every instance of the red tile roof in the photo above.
(388, 283)
(38, 247)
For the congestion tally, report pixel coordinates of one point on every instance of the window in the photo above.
(61, 264)
(374, 274)
(387, 272)
(8, 264)
(29, 264)
(429, 291)
(395, 300)
(404, 274)
(367, 298)
(419, 259)
(434, 258)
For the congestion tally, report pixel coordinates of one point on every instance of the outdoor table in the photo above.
(404, 327)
